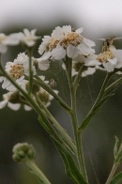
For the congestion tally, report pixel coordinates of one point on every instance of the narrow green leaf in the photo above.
(116, 146)
(70, 166)
(117, 179)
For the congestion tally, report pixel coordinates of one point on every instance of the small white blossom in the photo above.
(17, 70)
(15, 105)
(108, 60)
(45, 97)
(29, 38)
(80, 62)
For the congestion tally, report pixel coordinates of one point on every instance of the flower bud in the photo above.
(22, 152)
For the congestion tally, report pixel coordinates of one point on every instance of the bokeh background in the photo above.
(100, 19)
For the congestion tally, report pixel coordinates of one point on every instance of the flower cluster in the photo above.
(65, 44)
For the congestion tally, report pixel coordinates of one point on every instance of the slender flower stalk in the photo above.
(47, 88)
(37, 172)
(30, 71)
(23, 152)
(38, 110)
(74, 119)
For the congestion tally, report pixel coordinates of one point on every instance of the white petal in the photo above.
(58, 53)
(27, 108)
(14, 107)
(3, 48)
(3, 104)
(1, 79)
(109, 67)
(84, 49)
(57, 33)
(43, 64)
(5, 84)
(89, 71)
(113, 61)
(92, 63)
(89, 42)
(67, 29)
(72, 52)
(46, 56)
(80, 30)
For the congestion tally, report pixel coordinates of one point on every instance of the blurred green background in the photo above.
(23, 126)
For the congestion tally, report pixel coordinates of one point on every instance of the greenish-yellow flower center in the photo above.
(44, 96)
(104, 56)
(52, 44)
(16, 71)
(72, 38)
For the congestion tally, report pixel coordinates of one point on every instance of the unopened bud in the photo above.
(22, 152)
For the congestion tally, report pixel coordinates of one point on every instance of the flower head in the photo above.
(109, 60)
(64, 41)
(22, 152)
(45, 97)
(14, 101)
(29, 38)
(17, 70)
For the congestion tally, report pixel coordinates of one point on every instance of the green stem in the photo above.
(30, 71)
(37, 172)
(40, 82)
(115, 83)
(67, 140)
(74, 119)
(93, 111)
(56, 125)
(78, 78)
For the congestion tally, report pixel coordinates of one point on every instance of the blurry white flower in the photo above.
(17, 70)
(45, 97)
(108, 60)
(3, 45)
(79, 63)
(10, 99)
(28, 37)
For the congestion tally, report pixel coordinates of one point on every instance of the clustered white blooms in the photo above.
(66, 44)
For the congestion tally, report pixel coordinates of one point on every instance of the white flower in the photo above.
(17, 70)
(72, 43)
(13, 39)
(65, 42)
(7, 101)
(79, 63)
(108, 60)
(9, 40)
(3, 46)
(29, 38)
(45, 97)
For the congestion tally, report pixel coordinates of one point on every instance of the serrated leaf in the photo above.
(117, 179)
